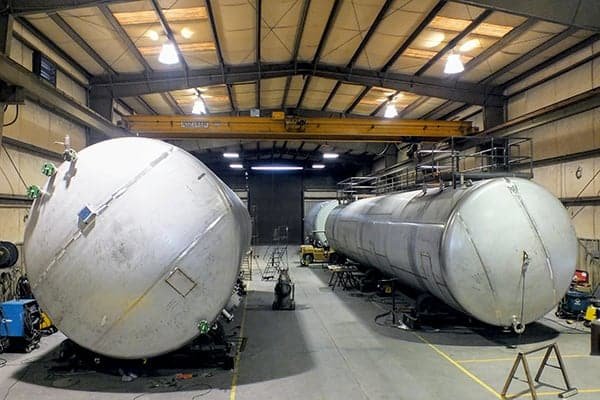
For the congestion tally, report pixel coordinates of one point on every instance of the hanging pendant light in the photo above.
(454, 64)
(390, 111)
(199, 107)
(168, 54)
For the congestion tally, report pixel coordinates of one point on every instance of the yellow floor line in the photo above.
(236, 368)
(487, 360)
(460, 367)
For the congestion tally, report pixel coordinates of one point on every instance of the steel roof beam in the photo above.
(499, 45)
(331, 95)
(357, 100)
(553, 60)
(220, 59)
(58, 20)
(490, 51)
(413, 106)
(124, 36)
(454, 42)
(147, 106)
(24, 7)
(128, 85)
(383, 104)
(47, 42)
(421, 85)
(328, 26)
(455, 112)
(411, 38)
(559, 37)
(297, 41)
(170, 100)
(303, 92)
(384, 9)
(230, 95)
(168, 31)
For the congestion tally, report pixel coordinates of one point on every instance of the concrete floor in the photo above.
(328, 348)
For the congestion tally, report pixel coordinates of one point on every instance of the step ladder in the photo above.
(276, 259)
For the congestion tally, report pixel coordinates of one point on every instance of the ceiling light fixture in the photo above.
(454, 64)
(168, 54)
(470, 45)
(390, 111)
(187, 33)
(276, 168)
(199, 107)
(318, 166)
(330, 156)
(236, 166)
(152, 34)
(231, 155)
(433, 39)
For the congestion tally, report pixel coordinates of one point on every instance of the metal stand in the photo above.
(343, 276)
(521, 358)
(276, 261)
(276, 256)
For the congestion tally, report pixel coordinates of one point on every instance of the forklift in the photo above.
(317, 253)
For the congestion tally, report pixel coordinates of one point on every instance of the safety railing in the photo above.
(447, 162)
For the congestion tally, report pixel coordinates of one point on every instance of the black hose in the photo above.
(14, 119)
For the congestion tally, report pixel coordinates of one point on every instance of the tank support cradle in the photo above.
(427, 311)
(522, 359)
(209, 350)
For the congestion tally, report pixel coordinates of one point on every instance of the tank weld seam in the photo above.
(59, 254)
(123, 189)
(118, 193)
(408, 223)
(483, 266)
(170, 270)
(514, 190)
(224, 198)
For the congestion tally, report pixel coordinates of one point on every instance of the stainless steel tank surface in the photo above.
(132, 245)
(502, 250)
(315, 218)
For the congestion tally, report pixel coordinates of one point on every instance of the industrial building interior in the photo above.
(299, 199)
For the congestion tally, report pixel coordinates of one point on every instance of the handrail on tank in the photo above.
(446, 163)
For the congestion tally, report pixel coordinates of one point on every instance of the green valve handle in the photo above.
(70, 155)
(48, 169)
(33, 192)
(203, 327)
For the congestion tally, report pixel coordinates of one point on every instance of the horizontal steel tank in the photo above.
(501, 250)
(134, 247)
(315, 218)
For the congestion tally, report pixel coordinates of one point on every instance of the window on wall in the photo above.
(44, 68)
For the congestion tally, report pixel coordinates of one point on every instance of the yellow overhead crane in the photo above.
(280, 127)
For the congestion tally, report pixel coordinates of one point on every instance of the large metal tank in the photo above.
(315, 218)
(502, 250)
(133, 246)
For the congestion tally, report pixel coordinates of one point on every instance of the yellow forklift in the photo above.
(310, 254)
